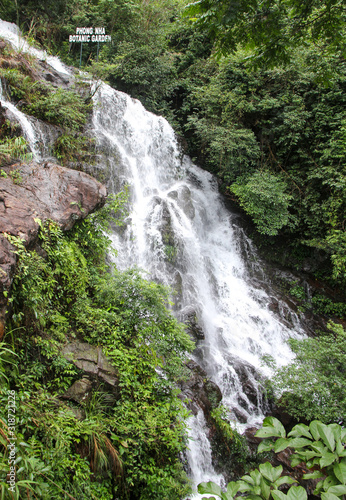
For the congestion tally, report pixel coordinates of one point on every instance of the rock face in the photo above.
(92, 361)
(32, 191)
(189, 316)
(251, 384)
(199, 392)
(79, 391)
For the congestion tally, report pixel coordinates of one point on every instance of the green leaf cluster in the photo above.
(270, 29)
(124, 445)
(263, 196)
(14, 148)
(321, 447)
(312, 385)
(259, 484)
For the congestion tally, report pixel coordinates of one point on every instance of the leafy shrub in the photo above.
(313, 383)
(263, 196)
(13, 149)
(320, 447)
(129, 447)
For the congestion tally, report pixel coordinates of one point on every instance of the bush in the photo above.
(128, 446)
(313, 383)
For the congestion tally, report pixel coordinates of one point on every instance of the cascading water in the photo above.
(180, 233)
(25, 123)
(12, 34)
(39, 137)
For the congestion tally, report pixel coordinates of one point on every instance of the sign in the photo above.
(87, 35)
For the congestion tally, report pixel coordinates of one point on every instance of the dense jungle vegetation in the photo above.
(256, 93)
(123, 442)
(256, 90)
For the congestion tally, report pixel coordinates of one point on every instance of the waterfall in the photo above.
(26, 126)
(199, 454)
(179, 233)
(12, 34)
(39, 136)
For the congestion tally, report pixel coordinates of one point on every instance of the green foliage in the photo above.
(263, 197)
(73, 147)
(7, 356)
(66, 108)
(324, 305)
(58, 106)
(229, 448)
(262, 483)
(269, 30)
(126, 446)
(14, 149)
(318, 303)
(16, 176)
(297, 291)
(171, 252)
(313, 383)
(285, 128)
(321, 447)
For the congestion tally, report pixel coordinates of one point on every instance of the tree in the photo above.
(262, 195)
(314, 382)
(271, 27)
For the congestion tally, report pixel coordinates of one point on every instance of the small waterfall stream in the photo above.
(12, 33)
(180, 233)
(25, 123)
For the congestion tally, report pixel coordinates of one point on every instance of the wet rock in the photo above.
(189, 317)
(173, 195)
(185, 202)
(79, 391)
(92, 361)
(198, 391)
(284, 458)
(183, 199)
(243, 402)
(46, 72)
(78, 413)
(251, 381)
(194, 179)
(39, 192)
(250, 436)
(240, 415)
(177, 287)
(278, 411)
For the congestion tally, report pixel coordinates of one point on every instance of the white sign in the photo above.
(90, 35)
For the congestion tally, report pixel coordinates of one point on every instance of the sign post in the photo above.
(89, 35)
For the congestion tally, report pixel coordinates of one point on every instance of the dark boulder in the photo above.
(250, 380)
(199, 391)
(79, 392)
(189, 316)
